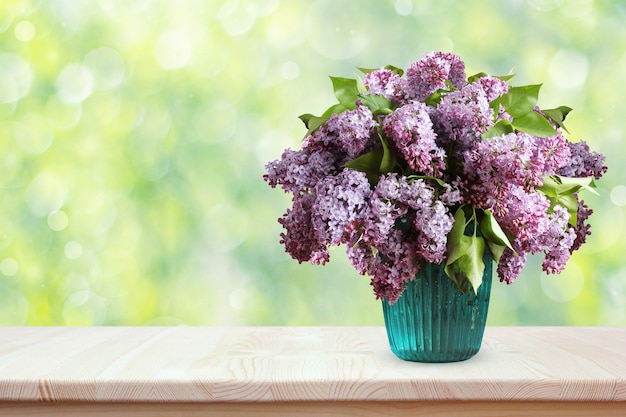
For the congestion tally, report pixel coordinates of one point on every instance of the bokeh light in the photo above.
(133, 138)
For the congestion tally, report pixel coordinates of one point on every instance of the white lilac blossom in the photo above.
(405, 159)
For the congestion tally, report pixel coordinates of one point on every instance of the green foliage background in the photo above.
(133, 136)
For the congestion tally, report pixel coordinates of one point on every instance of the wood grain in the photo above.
(349, 367)
(319, 409)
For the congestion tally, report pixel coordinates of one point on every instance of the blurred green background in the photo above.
(134, 134)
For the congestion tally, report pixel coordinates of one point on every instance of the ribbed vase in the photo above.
(434, 321)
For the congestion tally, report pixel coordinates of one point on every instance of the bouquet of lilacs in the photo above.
(431, 166)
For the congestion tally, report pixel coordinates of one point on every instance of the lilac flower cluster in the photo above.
(386, 182)
(402, 223)
(411, 133)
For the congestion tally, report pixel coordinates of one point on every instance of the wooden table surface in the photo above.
(301, 371)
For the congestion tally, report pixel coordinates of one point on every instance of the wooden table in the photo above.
(303, 371)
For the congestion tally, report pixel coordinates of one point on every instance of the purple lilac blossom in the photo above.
(394, 266)
(551, 154)
(434, 223)
(411, 134)
(556, 241)
(582, 228)
(300, 238)
(495, 165)
(400, 221)
(549, 233)
(493, 87)
(340, 200)
(462, 117)
(349, 133)
(430, 74)
(423, 236)
(386, 83)
(525, 215)
(298, 171)
(511, 265)
(583, 162)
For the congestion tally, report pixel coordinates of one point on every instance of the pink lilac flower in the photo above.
(411, 133)
(525, 214)
(462, 117)
(556, 241)
(451, 194)
(552, 153)
(493, 87)
(558, 255)
(430, 74)
(300, 238)
(550, 234)
(495, 165)
(386, 83)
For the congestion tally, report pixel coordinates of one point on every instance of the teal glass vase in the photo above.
(434, 321)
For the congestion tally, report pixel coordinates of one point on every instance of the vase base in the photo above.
(434, 357)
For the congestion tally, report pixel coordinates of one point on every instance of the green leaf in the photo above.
(471, 263)
(368, 163)
(495, 105)
(459, 250)
(346, 91)
(398, 71)
(571, 204)
(549, 187)
(558, 115)
(587, 183)
(464, 254)
(559, 186)
(520, 101)
(367, 70)
(439, 181)
(360, 86)
(475, 77)
(306, 118)
(458, 229)
(491, 230)
(535, 124)
(496, 250)
(561, 190)
(456, 247)
(506, 77)
(499, 129)
(388, 161)
(376, 162)
(435, 98)
(334, 109)
(312, 123)
(377, 103)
